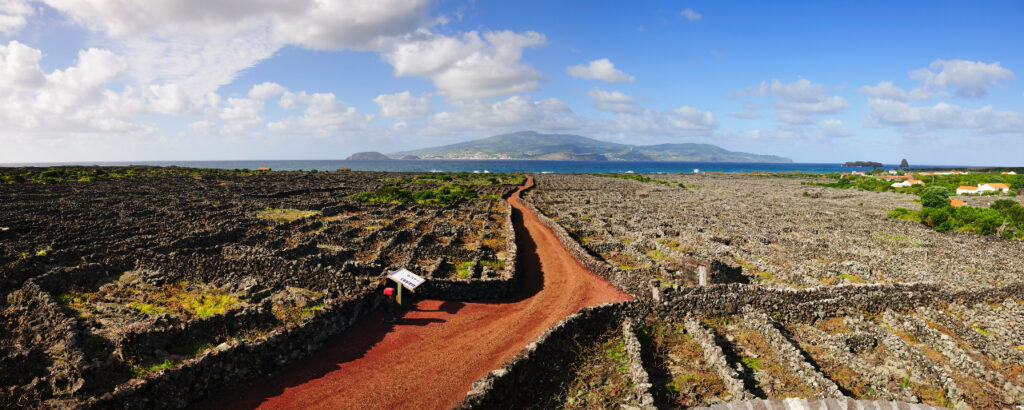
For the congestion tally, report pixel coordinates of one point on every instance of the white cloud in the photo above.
(473, 66)
(14, 15)
(941, 116)
(72, 103)
(612, 101)
(19, 65)
(511, 114)
(203, 44)
(602, 69)
(169, 99)
(884, 90)
(801, 100)
(318, 24)
(265, 90)
(691, 15)
(403, 106)
(969, 79)
(324, 116)
(833, 129)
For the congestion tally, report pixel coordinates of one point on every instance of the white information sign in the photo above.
(408, 279)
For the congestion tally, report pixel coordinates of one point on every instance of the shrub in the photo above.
(936, 217)
(935, 197)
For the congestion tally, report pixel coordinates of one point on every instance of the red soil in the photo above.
(432, 355)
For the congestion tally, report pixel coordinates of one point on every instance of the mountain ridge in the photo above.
(534, 145)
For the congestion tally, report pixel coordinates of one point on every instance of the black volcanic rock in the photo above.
(863, 164)
(904, 164)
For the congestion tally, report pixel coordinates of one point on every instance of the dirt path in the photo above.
(432, 355)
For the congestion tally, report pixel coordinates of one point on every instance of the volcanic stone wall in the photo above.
(543, 361)
(634, 285)
(234, 363)
(822, 302)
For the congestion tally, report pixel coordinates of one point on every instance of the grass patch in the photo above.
(601, 377)
(284, 215)
(462, 269)
(495, 265)
(752, 363)
(184, 299)
(140, 371)
(444, 195)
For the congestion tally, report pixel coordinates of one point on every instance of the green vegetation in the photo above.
(751, 363)
(636, 177)
(948, 182)
(495, 265)
(936, 212)
(284, 215)
(139, 371)
(184, 299)
(467, 178)
(444, 195)
(462, 269)
(600, 378)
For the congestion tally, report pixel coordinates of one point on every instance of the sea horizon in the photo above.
(495, 165)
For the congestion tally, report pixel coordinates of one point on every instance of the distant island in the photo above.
(871, 164)
(368, 156)
(530, 145)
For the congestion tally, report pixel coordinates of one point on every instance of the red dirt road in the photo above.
(432, 355)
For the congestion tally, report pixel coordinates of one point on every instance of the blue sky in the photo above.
(934, 82)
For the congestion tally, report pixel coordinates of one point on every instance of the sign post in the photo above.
(406, 280)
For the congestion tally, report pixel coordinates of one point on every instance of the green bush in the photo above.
(444, 195)
(934, 197)
(937, 218)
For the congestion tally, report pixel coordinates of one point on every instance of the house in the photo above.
(1009, 173)
(992, 187)
(956, 203)
(907, 183)
(263, 169)
(859, 173)
(961, 190)
(983, 188)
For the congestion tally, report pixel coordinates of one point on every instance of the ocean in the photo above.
(640, 167)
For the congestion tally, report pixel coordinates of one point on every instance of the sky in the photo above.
(935, 82)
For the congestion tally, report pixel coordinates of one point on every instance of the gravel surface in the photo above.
(769, 228)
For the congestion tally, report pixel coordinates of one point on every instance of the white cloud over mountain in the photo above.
(612, 101)
(403, 106)
(473, 66)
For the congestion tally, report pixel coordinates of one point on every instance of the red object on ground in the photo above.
(430, 358)
(389, 291)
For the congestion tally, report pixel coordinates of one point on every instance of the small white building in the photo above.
(1009, 173)
(966, 190)
(993, 187)
(983, 188)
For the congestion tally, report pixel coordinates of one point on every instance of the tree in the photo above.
(934, 197)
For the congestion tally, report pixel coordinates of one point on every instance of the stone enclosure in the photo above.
(121, 291)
